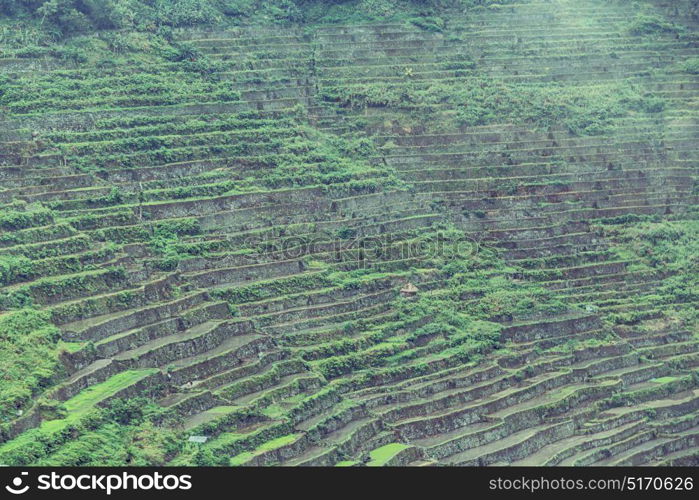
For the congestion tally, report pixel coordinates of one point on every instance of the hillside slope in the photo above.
(205, 231)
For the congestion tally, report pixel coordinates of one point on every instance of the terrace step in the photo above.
(243, 170)
(654, 447)
(104, 327)
(197, 339)
(514, 445)
(207, 416)
(567, 448)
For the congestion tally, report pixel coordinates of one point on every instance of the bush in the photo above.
(28, 358)
(691, 66)
(14, 267)
(433, 24)
(186, 12)
(36, 216)
(647, 25)
(127, 411)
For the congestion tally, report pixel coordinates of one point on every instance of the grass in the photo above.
(79, 405)
(380, 456)
(190, 180)
(664, 380)
(87, 398)
(71, 347)
(268, 446)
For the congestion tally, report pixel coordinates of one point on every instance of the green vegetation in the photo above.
(481, 100)
(380, 456)
(303, 230)
(663, 380)
(126, 431)
(691, 66)
(660, 247)
(268, 446)
(28, 359)
(21, 219)
(644, 24)
(68, 17)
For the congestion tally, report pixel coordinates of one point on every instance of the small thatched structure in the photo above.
(409, 290)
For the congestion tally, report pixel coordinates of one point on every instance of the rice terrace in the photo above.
(349, 233)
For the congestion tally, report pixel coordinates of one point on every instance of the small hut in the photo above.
(409, 290)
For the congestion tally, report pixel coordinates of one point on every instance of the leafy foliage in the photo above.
(644, 24)
(691, 66)
(220, 153)
(480, 100)
(28, 358)
(80, 16)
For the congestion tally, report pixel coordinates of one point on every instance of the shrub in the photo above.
(691, 66)
(28, 358)
(33, 216)
(433, 24)
(646, 25)
(14, 267)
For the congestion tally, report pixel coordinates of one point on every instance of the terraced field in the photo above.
(224, 238)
